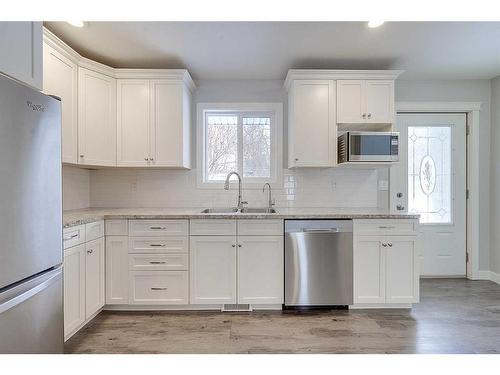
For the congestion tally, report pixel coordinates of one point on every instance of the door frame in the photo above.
(471, 110)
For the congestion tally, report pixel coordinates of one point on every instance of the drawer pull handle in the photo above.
(157, 288)
(156, 262)
(70, 237)
(387, 227)
(90, 251)
(159, 228)
(157, 245)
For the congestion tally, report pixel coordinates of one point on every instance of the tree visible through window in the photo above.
(241, 142)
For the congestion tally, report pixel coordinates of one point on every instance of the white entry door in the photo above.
(430, 180)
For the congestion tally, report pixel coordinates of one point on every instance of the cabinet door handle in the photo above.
(158, 288)
(161, 228)
(369, 115)
(384, 245)
(156, 262)
(67, 238)
(82, 155)
(389, 244)
(151, 159)
(364, 115)
(90, 251)
(157, 245)
(239, 245)
(146, 159)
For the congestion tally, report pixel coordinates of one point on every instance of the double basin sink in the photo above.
(234, 210)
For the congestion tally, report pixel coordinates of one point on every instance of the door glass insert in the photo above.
(430, 173)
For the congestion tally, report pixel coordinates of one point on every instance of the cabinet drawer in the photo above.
(263, 227)
(159, 287)
(73, 236)
(385, 227)
(158, 262)
(158, 245)
(158, 227)
(94, 230)
(213, 227)
(117, 227)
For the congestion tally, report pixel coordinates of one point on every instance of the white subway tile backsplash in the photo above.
(177, 188)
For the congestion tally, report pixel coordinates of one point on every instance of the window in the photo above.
(239, 137)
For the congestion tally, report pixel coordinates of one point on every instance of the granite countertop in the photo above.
(88, 215)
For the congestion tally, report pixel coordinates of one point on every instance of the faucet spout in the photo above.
(226, 187)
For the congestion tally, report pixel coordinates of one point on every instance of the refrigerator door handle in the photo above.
(27, 291)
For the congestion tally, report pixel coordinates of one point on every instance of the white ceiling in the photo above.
(266, 50)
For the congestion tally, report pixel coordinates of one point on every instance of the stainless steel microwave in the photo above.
(358, 146)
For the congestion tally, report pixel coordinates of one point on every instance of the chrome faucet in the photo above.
(270, 201)
(226, 187)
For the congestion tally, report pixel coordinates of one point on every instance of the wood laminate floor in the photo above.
(454, 316)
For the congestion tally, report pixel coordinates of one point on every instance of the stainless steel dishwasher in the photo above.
(318, 263)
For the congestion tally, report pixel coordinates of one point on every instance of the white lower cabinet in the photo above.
(213, 269)
(117, 270)
(227, 268)
(385, 269)
(74, 288)
(94, 277)
(159, 288)
(260, 261)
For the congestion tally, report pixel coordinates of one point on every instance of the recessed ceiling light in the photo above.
(373, 24)
(77, 23)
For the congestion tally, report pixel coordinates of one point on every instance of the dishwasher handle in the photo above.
(326, 230)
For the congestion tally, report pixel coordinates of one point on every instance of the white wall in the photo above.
(495, 176)
(463, 91)
(76, 187)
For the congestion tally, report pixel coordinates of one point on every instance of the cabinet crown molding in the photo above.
(118, 73)
(294, 74)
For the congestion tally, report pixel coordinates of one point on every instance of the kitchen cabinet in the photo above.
(159, 288)
(227, 268)
(154, 119)
(74, 288)
(116, 269)
(96, 119)
(60, 78)
(133, 119)
(385, 264)
(365, 101)
(21, 46)
(260, 259)
(312, 131)
(213, 269)
(94, 277)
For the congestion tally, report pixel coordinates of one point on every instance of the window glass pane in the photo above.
(221, 146)
(429, 173)
(256, 146)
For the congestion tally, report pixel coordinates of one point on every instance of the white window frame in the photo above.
(273, 110)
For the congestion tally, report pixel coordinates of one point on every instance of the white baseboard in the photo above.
(495, 277)
(482, 275)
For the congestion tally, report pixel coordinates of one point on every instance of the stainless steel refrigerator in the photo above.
(31, 293)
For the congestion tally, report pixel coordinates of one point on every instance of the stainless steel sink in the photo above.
(222, 210)
(259, 211)
(234, 210)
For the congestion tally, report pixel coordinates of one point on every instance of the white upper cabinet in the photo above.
(96, 119)
(133, 123)
(60, 78)
(312, 136)
(21, 46)
(154, 123)
(170, 124)
(365, 101)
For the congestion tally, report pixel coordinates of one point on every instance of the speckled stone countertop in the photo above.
(88, 215)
